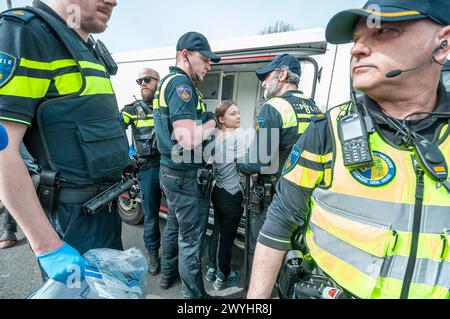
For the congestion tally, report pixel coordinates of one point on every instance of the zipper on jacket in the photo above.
(415, 231)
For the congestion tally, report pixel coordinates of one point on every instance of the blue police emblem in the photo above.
(381, 172)
(8, 64)
(259, 123)
(184, 92)
(292, 160)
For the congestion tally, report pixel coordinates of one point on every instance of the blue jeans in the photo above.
(190, 207)
(151, 200)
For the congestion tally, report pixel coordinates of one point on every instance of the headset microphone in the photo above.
(395, 73)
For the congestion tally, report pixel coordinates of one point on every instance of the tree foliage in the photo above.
(278, 27)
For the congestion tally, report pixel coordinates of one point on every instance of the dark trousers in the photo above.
(190, 208)
(102, 230)
(256, 221)
(9, 223)
(151, 199)
(228, 211)
(169, 256)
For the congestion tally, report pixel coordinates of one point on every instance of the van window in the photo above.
(228, 87)
(210, 86)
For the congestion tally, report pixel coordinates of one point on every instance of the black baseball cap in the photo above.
(194, 41)
(278, 62)
(340, 28)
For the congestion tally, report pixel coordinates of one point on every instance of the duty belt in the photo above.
(191, 173)
(78, 196)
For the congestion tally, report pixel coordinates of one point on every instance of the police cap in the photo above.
(280, 61)
(194, 41)
(340, 28)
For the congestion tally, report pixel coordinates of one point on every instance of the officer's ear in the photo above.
(282, 77)
(185, 54)
(444, 34)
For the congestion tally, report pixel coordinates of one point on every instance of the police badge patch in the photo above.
(259, 124)
(292, 160)
(8, 64)
(381, 173)
(184, 92)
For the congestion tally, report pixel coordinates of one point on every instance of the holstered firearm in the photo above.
(205, 179)
(261, 194)
(256, 197)
(299, 278)
(48, 190)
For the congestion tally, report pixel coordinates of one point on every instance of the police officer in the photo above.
(182, 126)
(62, 104)
(378, 230)
(286, 114)
(140, 116)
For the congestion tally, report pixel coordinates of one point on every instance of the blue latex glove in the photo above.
(3, 138)
(60, 263)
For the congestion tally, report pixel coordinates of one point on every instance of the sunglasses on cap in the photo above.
(146, 80)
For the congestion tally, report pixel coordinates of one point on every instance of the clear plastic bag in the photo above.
(111, 274)
(117, 274)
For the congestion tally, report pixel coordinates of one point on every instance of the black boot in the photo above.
(154, 265)
(167, 281)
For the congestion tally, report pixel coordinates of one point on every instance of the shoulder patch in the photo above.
(24, 16)
(259, 123)
(184, 92)
(292, 160)
(8, 64)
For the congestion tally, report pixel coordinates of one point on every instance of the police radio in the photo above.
(105, 57)
(354, 132)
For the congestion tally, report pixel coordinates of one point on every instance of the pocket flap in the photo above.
(100, 130)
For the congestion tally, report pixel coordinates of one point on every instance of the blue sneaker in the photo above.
(231, 281)
(210, 274)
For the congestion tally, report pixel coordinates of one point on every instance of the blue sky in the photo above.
(139, 24)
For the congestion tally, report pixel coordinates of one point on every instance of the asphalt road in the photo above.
(20, 275)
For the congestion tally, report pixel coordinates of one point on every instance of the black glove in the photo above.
(133, 167)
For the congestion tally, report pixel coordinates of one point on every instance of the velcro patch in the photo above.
(24, 16)
(8, 64)
(184, 92)
(292, 160)
(259, 123)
